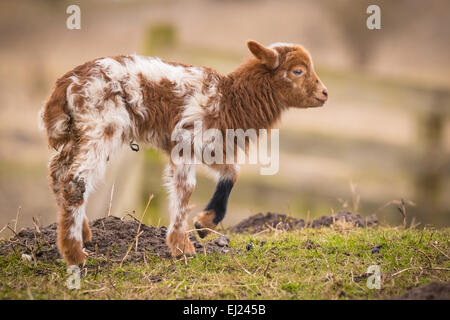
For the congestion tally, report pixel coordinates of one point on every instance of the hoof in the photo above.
(72, 252)
(205, 220)
(180, 245)
(201, 232)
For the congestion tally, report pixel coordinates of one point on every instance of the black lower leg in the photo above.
(219, 200)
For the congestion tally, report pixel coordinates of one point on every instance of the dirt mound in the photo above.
(111, 237)
(432, 291)
(259, 222)
(354, 218)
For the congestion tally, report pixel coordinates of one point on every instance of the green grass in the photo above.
(328, 263)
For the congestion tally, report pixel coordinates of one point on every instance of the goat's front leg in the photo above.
(181, 184)
(216, 209)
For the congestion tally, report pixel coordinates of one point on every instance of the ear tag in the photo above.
(134, 146)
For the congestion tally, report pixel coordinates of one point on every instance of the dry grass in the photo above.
(309, 264)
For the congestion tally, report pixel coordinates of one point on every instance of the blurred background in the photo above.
(383, 135)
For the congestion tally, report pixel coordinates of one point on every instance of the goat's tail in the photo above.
(54, 116)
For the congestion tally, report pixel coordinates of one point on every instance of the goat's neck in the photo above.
(247, 102)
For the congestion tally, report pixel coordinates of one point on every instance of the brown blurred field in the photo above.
(385, 130)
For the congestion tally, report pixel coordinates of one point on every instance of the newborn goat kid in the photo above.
(104, 103)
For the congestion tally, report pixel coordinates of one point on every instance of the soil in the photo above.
(432, 291)
(111, 238)
(354, 218)
(260, 221)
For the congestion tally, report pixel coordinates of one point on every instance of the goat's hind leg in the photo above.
(86, 232)
(69, 193)
(71, 217)
(75, 185)
(59, 166)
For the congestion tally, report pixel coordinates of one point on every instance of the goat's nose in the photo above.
(325, 92)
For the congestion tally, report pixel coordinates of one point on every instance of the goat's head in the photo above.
(291, 73)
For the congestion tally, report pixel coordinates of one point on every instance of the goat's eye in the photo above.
(298, 72)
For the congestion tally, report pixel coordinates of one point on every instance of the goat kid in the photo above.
(104, 103)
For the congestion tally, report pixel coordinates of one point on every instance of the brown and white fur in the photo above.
(104, 103)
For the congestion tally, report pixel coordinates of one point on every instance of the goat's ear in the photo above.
(267, 56)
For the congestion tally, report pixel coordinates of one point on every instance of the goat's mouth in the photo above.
(322, 101)
(319, 102)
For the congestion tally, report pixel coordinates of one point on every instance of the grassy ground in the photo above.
(328, 263)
